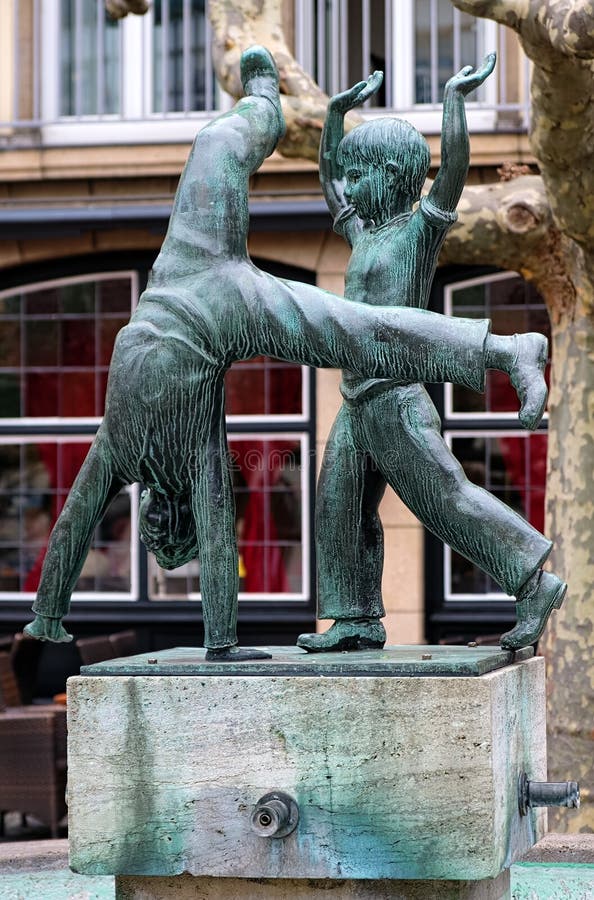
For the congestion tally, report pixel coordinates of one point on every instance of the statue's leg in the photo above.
(93, 490)
(404, 428)
(210, 211)
(302, 323)
(214, 514)
(349, 556)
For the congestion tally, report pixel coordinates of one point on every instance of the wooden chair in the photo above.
(33, 763)
(95, 649)
(32, 754)
(9, 686)
(124, 643)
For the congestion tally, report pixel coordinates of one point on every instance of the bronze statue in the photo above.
(206, 306)
(389, 433)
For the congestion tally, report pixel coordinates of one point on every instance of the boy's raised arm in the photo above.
(331, 172)
(450, 179)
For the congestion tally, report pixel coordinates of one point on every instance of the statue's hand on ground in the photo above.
(45, 628)
(468, 79)
(358, 94)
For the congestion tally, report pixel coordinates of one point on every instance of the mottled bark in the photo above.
(509, 224)
(118, 9)
(558, 36)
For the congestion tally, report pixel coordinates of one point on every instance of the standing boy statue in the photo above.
(205, 307)
(387, 432)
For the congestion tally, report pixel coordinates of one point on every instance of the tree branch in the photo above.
(510, 225)
(506, 12)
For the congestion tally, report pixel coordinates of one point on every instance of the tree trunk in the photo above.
(558, 36)
(570, 517)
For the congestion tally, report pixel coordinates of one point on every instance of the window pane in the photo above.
(35, 478)
(90, 59)
(512, 467)
(180, 56)
(266, 475)
(264, 386)
(513, 306)
(444, 42)
(56, 344)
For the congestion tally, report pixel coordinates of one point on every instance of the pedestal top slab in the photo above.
(396, 662)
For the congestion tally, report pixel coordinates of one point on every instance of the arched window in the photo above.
(56, 339)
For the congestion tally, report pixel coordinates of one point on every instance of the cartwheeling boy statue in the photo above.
(207, 306)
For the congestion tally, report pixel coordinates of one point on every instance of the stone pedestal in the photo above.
(404, 768)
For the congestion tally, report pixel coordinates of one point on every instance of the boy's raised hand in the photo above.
(358, 94)
(468, 79)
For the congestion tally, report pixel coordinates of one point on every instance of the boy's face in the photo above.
(374, 191)
(365, 189)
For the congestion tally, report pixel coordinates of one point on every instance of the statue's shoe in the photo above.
(543, 593)
(527, 377)
(45, 628)
(257, 66)
(346, 634)
(235, 654)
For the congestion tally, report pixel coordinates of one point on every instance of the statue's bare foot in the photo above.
(236, 654)
(543, 593)
(45, 628)
(258, 72)
(527, 377)
(346, 634)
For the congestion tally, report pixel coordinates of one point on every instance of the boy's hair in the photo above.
(390, 140)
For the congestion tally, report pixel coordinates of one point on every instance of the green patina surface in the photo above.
(561, 881)
(56, 886)
(394, 777)
(389, 662)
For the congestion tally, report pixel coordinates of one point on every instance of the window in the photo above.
(155, 69)
(495, 452)
(56, 340)
(418, 44)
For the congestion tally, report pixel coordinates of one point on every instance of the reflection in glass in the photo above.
(179, 81)
(263, 386)
(266, 476)
(514, 306)
(35, 479)
(513, 468)
(90, 74)
(66, 333)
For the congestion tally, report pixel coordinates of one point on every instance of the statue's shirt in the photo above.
(392, 265)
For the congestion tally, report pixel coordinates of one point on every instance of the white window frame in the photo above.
(427, 117)
(136, 124)
(481, 115)
(450, 413)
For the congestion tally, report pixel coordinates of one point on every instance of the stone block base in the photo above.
(186, 887)
(395, 777)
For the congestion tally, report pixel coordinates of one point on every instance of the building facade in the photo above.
(96, 120)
